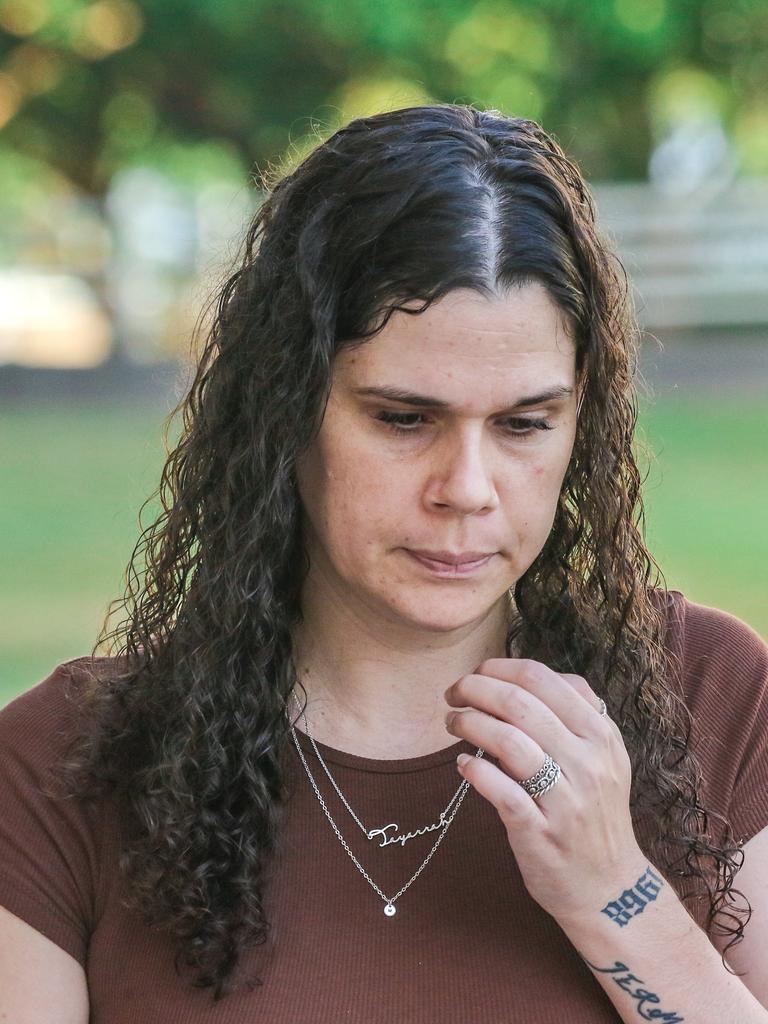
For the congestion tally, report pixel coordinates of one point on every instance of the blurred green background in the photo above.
(195, 85)
(133, 140)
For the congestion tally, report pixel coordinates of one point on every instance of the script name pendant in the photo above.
(403, 839)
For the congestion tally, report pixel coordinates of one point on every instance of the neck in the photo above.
(377, 690)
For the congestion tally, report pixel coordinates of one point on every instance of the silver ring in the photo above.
(545, 779)
(603, 708)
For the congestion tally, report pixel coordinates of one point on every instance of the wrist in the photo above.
(617, 902)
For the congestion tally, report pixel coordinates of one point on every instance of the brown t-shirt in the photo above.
(467, 942)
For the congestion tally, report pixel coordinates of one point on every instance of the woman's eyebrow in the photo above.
(554, 393)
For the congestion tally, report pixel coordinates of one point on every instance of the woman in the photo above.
(404, 489)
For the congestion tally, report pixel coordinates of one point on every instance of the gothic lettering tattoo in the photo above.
(647, 1002)
(633, 901)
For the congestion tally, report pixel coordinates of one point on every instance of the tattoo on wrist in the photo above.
(633, 901)
(645, 999)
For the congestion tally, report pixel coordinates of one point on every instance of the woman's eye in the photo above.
(400, 421)
(409, 422)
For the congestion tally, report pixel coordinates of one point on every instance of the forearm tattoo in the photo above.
(647, 1002)
(633, 901)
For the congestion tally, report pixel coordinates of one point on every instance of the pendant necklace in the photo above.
(389, 903)
(374, 833)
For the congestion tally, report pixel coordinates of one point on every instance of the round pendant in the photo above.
(390, 909)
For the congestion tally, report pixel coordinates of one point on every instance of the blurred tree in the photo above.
(89, 86)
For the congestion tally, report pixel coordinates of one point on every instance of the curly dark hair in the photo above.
(190, 724)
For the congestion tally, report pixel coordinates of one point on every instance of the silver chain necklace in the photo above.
(389, 908)
(374, 832)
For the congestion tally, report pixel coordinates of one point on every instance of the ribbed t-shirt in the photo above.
(467, 942)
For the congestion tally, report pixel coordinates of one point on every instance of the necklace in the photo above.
(389, 909)
(373, 833)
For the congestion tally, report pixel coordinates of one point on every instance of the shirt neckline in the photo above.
(384, 766)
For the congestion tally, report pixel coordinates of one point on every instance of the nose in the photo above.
(461, 476)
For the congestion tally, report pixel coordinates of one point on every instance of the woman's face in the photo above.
(468, 471)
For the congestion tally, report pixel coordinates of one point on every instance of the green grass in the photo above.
(706, 496)
(73, 480)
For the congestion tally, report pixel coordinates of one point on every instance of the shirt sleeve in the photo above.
(49, 845)
(749, 801)
(726, 665)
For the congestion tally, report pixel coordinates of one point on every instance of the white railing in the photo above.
(699, 261)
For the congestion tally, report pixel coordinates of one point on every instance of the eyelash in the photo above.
(391, 419)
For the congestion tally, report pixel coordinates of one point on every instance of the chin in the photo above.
(442, 616)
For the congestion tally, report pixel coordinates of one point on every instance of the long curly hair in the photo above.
(188, 721)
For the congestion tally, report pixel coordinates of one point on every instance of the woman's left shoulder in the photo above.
(714, 643)
(724, 676)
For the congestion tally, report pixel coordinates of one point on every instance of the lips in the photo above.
(454, 569)
(452, 558)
